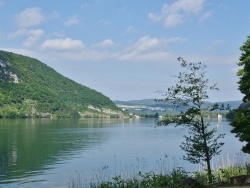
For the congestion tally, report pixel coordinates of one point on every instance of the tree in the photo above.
(156, 115)
(244, 72)
(189, 93)
(241, 121)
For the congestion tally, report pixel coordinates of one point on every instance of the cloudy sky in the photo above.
(128, 49)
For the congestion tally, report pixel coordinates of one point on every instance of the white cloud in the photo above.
(215, 44)
(129, 30)
(26, 32)
(136, 56)
(145, 49)
(30, 17)
(175, 40)
(176, 13)
(205, 16)
(187, 6)
(62, 44)
(18, 33)
(149, 49)
(105, 44)
(82, 55)
(71, 21)
(154, 17)
(32, 36)
(146, 43)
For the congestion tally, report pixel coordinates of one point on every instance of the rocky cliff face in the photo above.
(6, 74)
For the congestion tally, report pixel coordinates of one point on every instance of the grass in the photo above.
(222, 171)
(146, 180)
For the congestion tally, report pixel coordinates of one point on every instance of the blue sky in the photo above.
(128, 49)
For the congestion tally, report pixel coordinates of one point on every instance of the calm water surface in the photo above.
(50, 153)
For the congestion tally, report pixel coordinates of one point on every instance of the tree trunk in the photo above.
(209, 171)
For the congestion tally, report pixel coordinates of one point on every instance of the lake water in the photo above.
(51, 153)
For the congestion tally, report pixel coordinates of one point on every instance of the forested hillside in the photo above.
(29, 88)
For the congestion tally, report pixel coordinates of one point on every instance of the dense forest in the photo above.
(29, 88)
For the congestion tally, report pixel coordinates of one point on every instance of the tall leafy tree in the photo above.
(244, 72)
(241, 121)
(190, 91)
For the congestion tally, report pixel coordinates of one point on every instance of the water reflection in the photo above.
(30, 146)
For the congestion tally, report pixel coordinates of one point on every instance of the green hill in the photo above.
(30, 88)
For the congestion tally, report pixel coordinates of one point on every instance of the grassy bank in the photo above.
(175, 178)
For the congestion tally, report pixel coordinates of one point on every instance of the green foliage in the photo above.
(241, 126)
(241, 123)
(50, 92)
(156, 115)
(148, 180)
(221, 176)
(174, 179)
(178, 178)
(231, 114)
(244, 72)
(200, 144)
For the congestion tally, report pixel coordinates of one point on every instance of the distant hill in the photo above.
(233, 104)
(145, 107)
(30, 88)
(150, 106)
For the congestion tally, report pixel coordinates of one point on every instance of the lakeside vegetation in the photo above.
(166, 178)
(29, 88)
